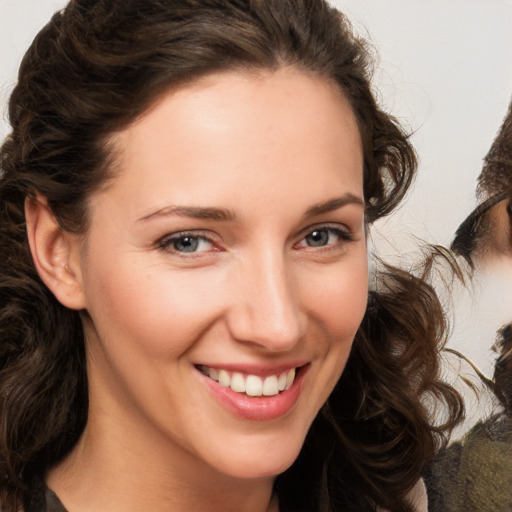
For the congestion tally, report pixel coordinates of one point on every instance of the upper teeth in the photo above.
(252, 385)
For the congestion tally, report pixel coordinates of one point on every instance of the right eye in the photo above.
(186, 243)
(325, 237)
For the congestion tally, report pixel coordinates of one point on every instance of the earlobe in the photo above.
(55, 253)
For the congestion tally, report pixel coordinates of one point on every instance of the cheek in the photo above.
(339, 300)
(337, 307)
(149, 307)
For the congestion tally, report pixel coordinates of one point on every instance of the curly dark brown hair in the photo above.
(95, 68)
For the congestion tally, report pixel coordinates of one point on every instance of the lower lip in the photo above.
(261, 408)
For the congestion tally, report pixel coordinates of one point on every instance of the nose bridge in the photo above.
(268, 311)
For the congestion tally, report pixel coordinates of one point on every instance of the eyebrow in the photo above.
(194, 212)
(334, 204)
(222, 214)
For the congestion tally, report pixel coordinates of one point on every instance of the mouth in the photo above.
(249, 384)
(256, 394)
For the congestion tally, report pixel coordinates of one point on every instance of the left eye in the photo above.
(323, 237)
(183, 243)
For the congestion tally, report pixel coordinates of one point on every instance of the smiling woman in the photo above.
(251, 294)
(185, 315)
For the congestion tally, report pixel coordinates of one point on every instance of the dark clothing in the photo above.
(474, 474)
(44, 501)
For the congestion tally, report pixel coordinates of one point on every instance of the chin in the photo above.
(269, 460)
(251, 470)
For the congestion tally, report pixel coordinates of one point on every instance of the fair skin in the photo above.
(232, 241)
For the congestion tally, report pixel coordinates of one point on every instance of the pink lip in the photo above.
(263, 408)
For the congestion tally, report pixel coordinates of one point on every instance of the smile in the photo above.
(251, 385)
(256, 395)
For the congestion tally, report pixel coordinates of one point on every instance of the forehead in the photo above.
(260, 95)
(243, 131)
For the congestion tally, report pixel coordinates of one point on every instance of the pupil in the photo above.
(186, 244)
(318, 238)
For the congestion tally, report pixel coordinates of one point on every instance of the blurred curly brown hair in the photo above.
(503, 369)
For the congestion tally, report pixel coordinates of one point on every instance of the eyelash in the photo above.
(343, 234)
(167, 241)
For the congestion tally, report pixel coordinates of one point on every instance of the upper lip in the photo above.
(256, 369)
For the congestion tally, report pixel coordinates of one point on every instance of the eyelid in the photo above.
(344, 232)
(165, 243)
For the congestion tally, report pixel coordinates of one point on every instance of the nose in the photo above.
(266, 310)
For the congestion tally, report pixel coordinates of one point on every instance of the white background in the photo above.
(445, 70)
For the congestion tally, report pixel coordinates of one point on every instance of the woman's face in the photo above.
(229, 253)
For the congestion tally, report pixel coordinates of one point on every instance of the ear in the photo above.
(56, 253)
